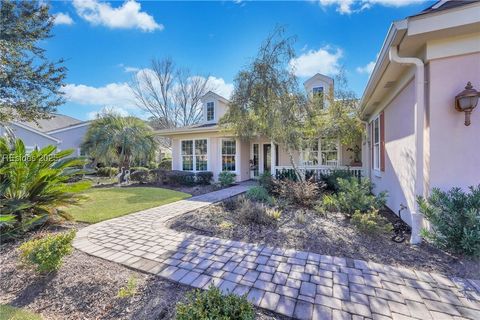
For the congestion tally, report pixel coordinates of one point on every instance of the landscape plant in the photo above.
(253, 213)
(204, 177)
(371, 222)
(302, 192)
(46, 253)
(226, 178)
(454, 217)
(107, 171)
(258, 193)
(354, 195)
(129, 290)
(212, 304)
(331, 179)
(35, 187)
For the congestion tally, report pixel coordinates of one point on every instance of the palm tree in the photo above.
(112, 138)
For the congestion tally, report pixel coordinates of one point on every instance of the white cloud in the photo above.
(220, 87)
(121, 111)
(353, 6)
(368, 68)
(113, 94)
(63, 18)
(127, 16)
(324, 60)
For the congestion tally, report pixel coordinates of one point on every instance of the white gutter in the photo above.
(420, 184)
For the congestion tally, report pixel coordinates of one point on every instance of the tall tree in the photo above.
(112, 138)
(267, 101)
(30, 84)
(171, 95)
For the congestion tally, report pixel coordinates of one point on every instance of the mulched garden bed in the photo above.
(86, 287)
(329, 234)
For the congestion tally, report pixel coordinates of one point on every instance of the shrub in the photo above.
(204, 177)
(34, 187)
(258, 193)
(275, 214)
(454, 218)
(129, 290)
(304, 193)
(133, 169)
(165, 164)
(265, 180)
(211, 304)
(250, 212)
(140, 174)
(47, 253)
(107, 171)
(158, 176)
(226, 178)
(354, 195)
(371, 222)
(330, 179)
(184, 178)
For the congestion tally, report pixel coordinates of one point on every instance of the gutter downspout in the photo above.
(420, 189)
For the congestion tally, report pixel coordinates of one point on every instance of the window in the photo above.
(317, 91)
(210, 111)
(201, 155)
(187, 155)
(256, 160)
(229, 150)
(329, 150)
(310, 154)
(194, 161)
(376, 143)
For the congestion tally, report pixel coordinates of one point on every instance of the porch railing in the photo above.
(316, 171)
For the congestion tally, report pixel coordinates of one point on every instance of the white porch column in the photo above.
(273, 158)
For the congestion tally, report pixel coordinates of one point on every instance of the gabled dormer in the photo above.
(319, 84)
(214, 107)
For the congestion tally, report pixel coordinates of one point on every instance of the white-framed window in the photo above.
(210, 111)
(194, 155)
(317, 90)
(329, 151)
(310, 153)
(376, 143)
(229, 151)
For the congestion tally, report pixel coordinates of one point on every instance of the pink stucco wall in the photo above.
(398, 177)
(455, 148)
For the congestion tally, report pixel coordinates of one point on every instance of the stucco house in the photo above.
(205, 147)
(416, 139)
(63, 131)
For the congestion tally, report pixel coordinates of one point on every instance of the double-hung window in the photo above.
(229, 151)
(194, 155)
(310, 153)
(210, 111)
(376, 143)
(329, 150)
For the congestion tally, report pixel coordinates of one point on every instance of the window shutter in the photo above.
(382, 141)
(372, 143)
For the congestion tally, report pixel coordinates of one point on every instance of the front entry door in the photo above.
(267, 158)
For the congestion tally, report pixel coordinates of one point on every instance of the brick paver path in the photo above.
(299, 284)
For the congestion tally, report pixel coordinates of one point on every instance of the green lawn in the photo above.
(107, 203)
(11, 313)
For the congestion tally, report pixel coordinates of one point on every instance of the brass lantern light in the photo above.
(466, 101)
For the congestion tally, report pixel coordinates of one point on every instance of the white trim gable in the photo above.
(45, 135)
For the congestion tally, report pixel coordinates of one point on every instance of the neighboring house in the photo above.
(417, 140)
(62, 131)
(204, 147)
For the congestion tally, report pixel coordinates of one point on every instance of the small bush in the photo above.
(211, 304)
(230, 204)
(107, 171)
(454, 217)
(183, 178)
(275, 214)
(354, 195)
(300, 217)
(165, 164)
(129, 290)
(226, 178)
(303, 193)
(331, 178)
(265, 180)
(133, 169)
(204, 177)
(371, 222)
(250, 212)
(47, 253)
(158, 176)
(140, 174)
(258, 193)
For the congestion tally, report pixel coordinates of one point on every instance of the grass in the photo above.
(107, 203)
(11, 313)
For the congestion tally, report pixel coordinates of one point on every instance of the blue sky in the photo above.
(105, 43)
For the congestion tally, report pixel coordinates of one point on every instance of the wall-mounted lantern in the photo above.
(466, 101)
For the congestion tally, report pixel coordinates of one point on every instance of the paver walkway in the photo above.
(294, 283)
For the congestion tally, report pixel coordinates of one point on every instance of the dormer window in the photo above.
(210, 111)
(317, 91)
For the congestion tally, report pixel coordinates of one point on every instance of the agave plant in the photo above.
(35, 186)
